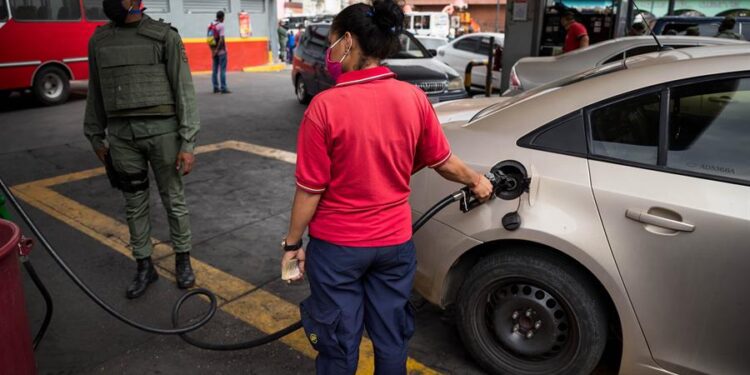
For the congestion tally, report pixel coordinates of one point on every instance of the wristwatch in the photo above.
(291, 247)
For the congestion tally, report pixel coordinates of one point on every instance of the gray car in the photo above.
(531, 72)
(630, 235)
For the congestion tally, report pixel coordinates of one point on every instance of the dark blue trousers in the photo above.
(353, 288)
(219, 72)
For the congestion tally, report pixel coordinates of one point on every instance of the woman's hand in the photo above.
(455, 170)
(299, 255)
(482, 189)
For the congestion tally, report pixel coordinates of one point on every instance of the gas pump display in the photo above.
(597, 16)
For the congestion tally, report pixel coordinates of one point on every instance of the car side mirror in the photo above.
(432, 52)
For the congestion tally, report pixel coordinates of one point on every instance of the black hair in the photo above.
(220, 15)
(727, 23)
(376, 27)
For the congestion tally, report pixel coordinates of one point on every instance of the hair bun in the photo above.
(388, 16)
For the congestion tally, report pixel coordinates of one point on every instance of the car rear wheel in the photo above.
(51, 86)
(523, 312)
(301, 90)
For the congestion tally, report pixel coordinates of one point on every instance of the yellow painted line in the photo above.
(261, 309)
(264, 68)
(228, 40)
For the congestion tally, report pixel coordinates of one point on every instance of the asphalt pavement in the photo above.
(239, 197)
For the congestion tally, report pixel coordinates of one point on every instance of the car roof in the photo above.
(618, 43)
(633, 74)
(696, 55)
(480, 34)
(697, 19)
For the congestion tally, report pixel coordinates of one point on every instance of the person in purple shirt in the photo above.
(219, 53)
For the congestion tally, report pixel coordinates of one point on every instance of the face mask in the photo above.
(335, 68)
(114, 10)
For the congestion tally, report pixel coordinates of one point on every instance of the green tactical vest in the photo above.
(132, 72)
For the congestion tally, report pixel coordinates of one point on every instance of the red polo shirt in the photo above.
(576, 31)
(358, 145)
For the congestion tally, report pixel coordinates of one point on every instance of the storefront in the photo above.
(250, 27)
(487, 15)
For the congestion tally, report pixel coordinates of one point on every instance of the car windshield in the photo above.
(432, 43)
(411, 48)
(549, 87)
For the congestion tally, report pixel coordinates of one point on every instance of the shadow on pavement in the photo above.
(22, 100)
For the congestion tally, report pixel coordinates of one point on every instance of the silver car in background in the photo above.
(530, 72)
(631, 236)
(432, 43)
(473, 47)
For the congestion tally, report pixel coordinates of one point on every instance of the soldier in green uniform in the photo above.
(141, 111)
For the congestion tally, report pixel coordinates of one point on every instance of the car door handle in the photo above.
(651, 219)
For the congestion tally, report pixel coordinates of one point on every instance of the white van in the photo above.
(428, 23)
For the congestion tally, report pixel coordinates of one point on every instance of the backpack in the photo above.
(212, 35)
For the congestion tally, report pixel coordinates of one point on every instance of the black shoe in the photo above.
(216, 91)
(226, 91)
(184, 271)
(145, 275)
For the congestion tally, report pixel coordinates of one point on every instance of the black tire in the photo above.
(300, 89)
(566, 316)
(51, 86)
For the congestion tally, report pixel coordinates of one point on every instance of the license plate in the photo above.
(434, 99)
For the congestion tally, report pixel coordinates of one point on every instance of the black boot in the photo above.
(184, 271)
(145, 275)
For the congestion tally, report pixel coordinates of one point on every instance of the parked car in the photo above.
(634, 225)
(413, 63)
(706, 26)
(432, 43)
(474, 47)
(530, 72)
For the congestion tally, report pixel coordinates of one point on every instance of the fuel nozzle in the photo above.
(509, 181)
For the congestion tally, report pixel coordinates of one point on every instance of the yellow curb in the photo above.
(228, 40)
(201, 72)
(264, 68)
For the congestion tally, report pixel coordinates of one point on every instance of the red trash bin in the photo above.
(16, 353)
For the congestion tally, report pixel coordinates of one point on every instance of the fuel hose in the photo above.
(176, 329)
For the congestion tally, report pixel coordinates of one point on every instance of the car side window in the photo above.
(40, 10)
(467, 44)
(319, 35)
(566, 135)
(3, 11)
(709, 132)
(317, 40)
(745, 30)
(484, 45)
(94, 10)
(627, 130)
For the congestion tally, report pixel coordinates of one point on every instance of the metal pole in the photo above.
(490, 63)
(670, 12)
(629, 17)
(497, 17)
